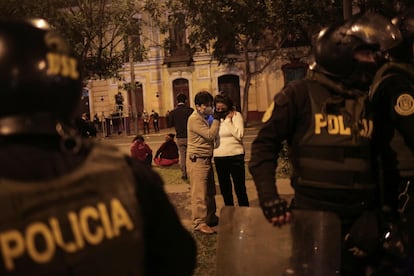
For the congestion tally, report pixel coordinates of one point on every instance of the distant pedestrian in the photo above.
(140, 150)
(155, 121)
(229, 152)
(167, 154)
(97, 122)
(167, 119)
(146, 119)
(85, 127)
(178, 119)
(119, 101)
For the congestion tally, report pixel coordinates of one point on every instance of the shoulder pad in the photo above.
(268, 114)
(377, 83)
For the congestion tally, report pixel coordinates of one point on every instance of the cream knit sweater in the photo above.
(229, 140)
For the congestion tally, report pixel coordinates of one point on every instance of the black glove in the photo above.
(392, 236)
(274, 208)
(217, 115)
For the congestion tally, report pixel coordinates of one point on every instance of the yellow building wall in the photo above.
(157, 79)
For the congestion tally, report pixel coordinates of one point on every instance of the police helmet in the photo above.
(38, 72)
(336, 45)
(404, 51)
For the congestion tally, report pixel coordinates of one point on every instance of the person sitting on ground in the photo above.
(167, 154)
(140, 150)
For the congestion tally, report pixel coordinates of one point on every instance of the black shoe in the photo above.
(214, 222)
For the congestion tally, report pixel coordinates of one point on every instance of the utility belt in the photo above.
(194, 158)
(335, 179)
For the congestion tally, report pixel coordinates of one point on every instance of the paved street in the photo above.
(154, 140)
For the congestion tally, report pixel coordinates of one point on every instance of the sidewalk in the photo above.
(179, 195)
(179, 192)
(122, 138)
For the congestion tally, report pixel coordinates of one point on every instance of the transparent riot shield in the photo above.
(249, 245)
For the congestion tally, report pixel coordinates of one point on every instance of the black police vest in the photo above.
(335, 151)
(84, 223)
(402, 157)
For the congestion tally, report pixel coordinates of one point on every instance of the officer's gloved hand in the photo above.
(276, 211)
(362, 240)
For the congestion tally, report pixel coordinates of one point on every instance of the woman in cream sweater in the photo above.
(229, 152)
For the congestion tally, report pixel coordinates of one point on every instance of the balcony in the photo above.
(178, 56)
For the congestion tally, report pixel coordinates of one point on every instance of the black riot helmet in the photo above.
(336, 45)
(38, 73)
(404, 50)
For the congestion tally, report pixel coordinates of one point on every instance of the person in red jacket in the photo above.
(167, 154)
(140, 150)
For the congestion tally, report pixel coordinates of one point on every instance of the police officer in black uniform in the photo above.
(328, 127)
(392, 94)
(69, 206)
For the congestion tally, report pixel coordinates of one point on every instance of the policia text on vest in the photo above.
(109, 222)
(335, 125)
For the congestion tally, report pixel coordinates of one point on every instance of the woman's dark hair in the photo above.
(223, 98)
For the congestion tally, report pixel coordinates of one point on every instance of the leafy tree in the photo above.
(252, 33)
(98, 30)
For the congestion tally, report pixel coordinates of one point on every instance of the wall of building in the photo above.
(203, 74)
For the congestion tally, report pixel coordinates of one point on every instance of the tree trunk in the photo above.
(247, 71)
(347, 8)
(245, 107)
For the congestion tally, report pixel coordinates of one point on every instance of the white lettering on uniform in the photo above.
(14, 243)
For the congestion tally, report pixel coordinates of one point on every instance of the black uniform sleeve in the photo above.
(394, 111)
(394, 102)
(169, 247)
(268, 143)
(402, 111)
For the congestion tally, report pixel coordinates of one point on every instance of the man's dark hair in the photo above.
(181, 98)
(203, 97)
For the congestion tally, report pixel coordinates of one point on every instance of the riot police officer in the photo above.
(392, 95)
(70, 206)
(325, 120)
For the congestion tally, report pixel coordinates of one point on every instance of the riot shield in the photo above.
(249, 245)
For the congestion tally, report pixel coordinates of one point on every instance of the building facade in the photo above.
(167, 71)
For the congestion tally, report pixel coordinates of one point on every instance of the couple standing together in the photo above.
(221, 138)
